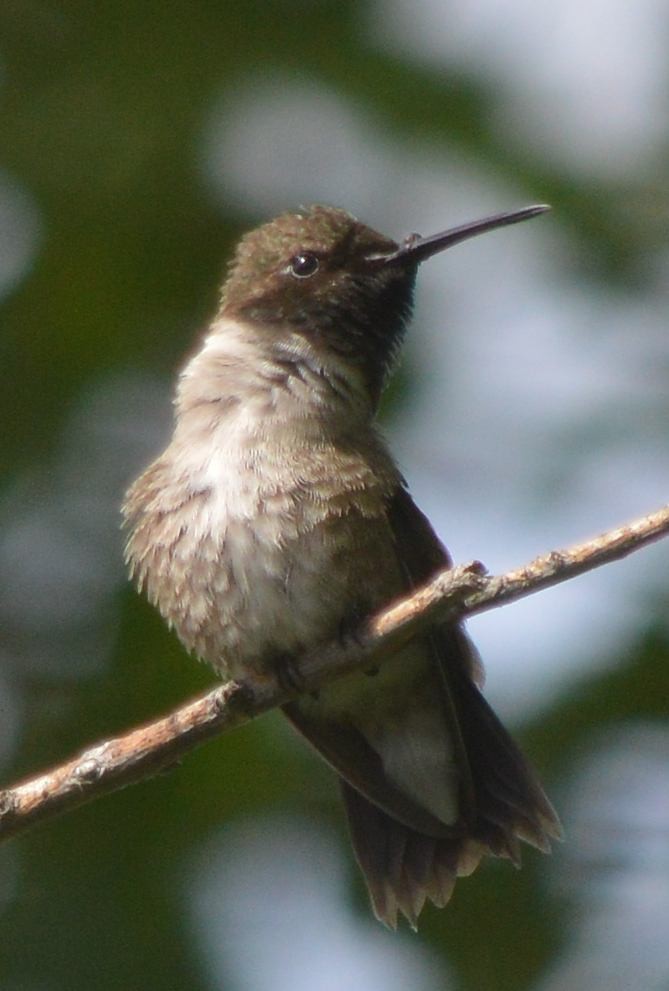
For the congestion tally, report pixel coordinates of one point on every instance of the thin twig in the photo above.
(450, 595)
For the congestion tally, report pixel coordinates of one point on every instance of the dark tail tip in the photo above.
(402, 868)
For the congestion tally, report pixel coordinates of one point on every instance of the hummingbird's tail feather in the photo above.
(509, 801)
(404, 867)
(407, 854)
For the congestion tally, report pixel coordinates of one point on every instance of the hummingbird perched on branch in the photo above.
(277, 515)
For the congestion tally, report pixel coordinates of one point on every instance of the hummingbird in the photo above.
(276, 517)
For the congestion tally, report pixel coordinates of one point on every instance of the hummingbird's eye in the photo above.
(303, 265)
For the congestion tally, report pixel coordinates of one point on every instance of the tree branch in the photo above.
(451, 594)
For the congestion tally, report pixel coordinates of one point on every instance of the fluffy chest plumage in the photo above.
(254, 531)
(252, 548)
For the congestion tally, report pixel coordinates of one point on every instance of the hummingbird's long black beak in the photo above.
(416, 249)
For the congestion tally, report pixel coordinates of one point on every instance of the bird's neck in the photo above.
(262, 383)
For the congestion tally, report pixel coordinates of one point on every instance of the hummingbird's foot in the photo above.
(349, 625)
(348, 631)
(288, 674)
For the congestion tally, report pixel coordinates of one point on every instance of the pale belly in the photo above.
(261, 594)
(245, 594)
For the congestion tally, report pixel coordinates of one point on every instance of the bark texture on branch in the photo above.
(451, 594)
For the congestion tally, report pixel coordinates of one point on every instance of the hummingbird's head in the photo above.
(316, 272)
(346, 288)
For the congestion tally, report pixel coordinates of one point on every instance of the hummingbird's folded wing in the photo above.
(421, 554)
(349, 753)
(508, 799)
(406, 853)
